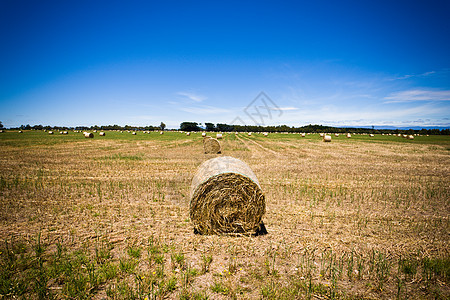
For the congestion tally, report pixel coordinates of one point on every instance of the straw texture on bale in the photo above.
(211, 145)
(226, 198)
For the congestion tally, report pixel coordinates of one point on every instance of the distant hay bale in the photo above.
(211, 146)
(371, 135)
(88, 135)
(50, 132)
(188, 133)
(349, 135)
(410, 137)
(303, 134)
(65, 132)
(20, 131)
(1, 131)
(249, 134)
(102, 133)
(336, 134)
(218, 136)
(265, 133)
(321, 134)
(161, 132)
(327, 138)
(133, 133)
(226, 198)
(203, 134)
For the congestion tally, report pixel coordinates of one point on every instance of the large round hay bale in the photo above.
(88, 135)
(203, 134)
(327, 138)
(226, 198)
(211, 145)
(102, 133)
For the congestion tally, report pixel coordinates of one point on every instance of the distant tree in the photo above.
(189, 126)
(162, 126)
(1, 125)
(210, 127)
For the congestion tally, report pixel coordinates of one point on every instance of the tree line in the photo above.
(220, 127)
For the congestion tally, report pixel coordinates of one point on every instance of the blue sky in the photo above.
(339, 63)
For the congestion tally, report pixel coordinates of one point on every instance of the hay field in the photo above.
(108, 218)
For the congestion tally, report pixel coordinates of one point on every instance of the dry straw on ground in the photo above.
(226, 198)
(211, 146)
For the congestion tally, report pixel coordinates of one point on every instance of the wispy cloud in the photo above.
(414, 75)
(192, 96)
(284, 108)
(418, 95)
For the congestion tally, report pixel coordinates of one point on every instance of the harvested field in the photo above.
(365, 218)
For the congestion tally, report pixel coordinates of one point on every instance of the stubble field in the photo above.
(108, 218)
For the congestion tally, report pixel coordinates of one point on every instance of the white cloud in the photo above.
(418, 95)
(192, 96)
(415, 75)
(285, 108)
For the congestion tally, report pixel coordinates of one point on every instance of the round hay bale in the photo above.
(265, 134)
(371, 135)
(249, 134)
(410, 137)
(211, 145)
(336, 134)
(188, 133)
(303, 134)
(349, 135)
(133, 133)
(65, 132)
(203, 134)
(321, 134)
(218, 136)
(50, 132)
(20, 131)
(102, 133)
(1, 131)
(162, 132)
(88, 135)
(327, 138)
(226, 198)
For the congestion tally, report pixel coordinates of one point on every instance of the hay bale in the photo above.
(188, 133)
(410, 137)
(211, 145)
(102, 133)
(336, 134)
(249, 134)
(226, 198)
(65, 132)
(88, 135)
(162, 132)
(203, 134)
(218, 136)
(1, 131)
(321, 134)
(50, 132)
(327, 138)
(20, 131)
(303, 134)
(371, 135)
(349, 135)
(265, 133)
